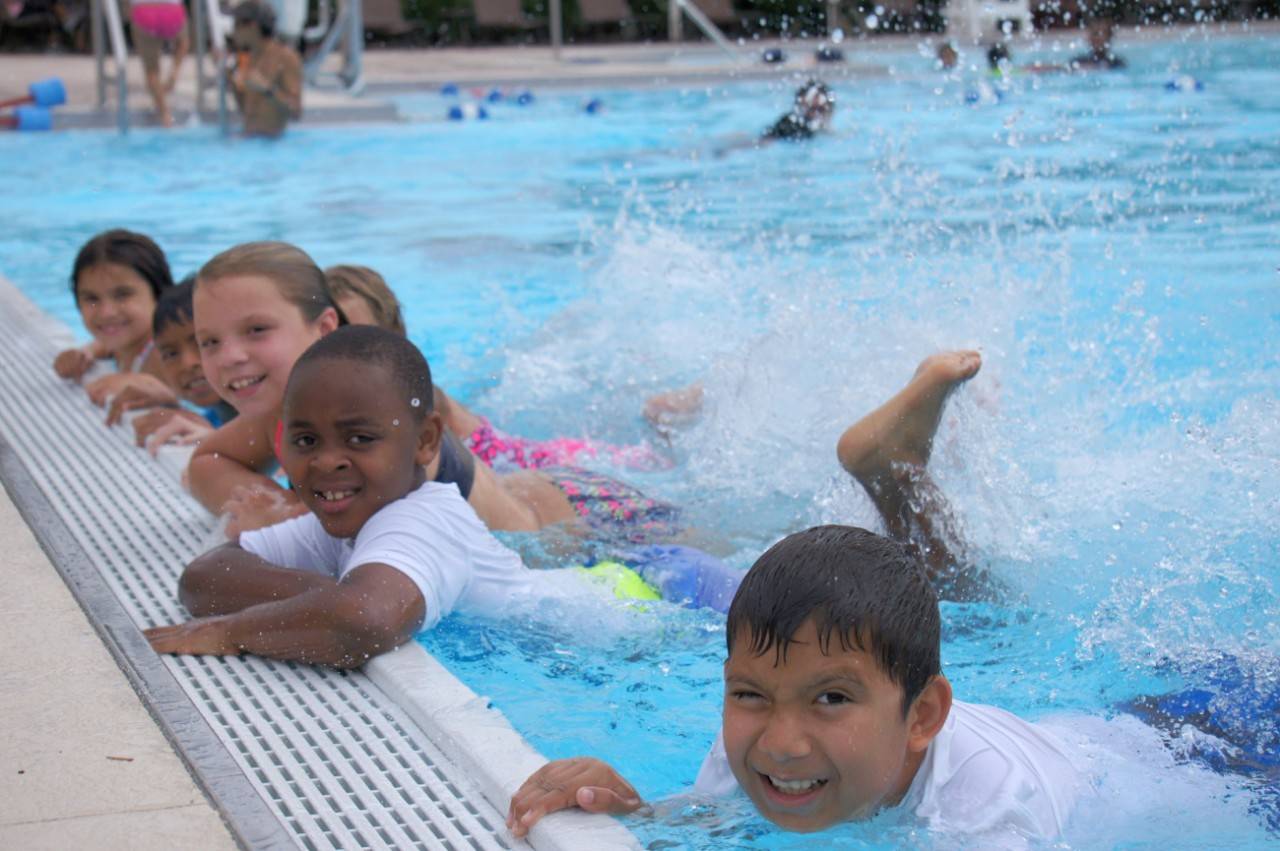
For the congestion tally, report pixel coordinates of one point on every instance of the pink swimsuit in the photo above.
(497, 448)
(161, 20)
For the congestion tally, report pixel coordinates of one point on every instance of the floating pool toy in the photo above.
(625, 583)
(28, 119)
(1184, 83)
(494, 96)
(678, 574)
(595, 106)
(45, 93)
(449, 90)
(524, 98)
(685, 575)
(467, 111)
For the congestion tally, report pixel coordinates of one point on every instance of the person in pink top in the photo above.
(155, 23)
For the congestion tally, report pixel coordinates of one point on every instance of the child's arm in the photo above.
(582, 782)
(74, 363)
(233, 456)
(129, 391)
(248, 605)
(159, 426)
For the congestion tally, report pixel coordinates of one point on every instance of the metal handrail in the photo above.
(347, 34)
(210, 31)
(106, 16)
(709, 29)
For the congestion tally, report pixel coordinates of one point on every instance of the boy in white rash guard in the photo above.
(836, 708)
(383, 551)
(835, 704)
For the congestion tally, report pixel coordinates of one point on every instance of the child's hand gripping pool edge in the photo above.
(582, 782)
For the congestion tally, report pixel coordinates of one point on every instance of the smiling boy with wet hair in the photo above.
(381, 553)
(835, 708)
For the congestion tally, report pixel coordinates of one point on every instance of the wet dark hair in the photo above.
(996, 54)
(812, 86)
(370, 344)
(296, 276)
(124, 248)
(256, 12)
(868, 591)
(174, 306)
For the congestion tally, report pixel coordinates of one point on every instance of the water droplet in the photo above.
(416, 403)
(395, 422)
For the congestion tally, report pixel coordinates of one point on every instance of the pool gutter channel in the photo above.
(399, 754)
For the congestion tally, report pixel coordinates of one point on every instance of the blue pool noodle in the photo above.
(686, 575)
(33, 119)
(48, 92)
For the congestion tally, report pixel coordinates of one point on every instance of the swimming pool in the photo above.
(1109, 244)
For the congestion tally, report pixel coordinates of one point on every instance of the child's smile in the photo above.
(250, 336)
(180, 363)
(816, 738)
(352, 444)
(116, 304)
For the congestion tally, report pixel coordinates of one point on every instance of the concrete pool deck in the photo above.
(83, 763)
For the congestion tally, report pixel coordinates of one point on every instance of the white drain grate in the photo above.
(336, 762)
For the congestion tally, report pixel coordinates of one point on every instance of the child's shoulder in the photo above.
(430, 504)
(990, 769)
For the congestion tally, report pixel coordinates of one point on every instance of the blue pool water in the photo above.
(1111, 246)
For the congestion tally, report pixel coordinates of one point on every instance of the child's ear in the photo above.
(327, 321)
(430, 433)
(928, 713)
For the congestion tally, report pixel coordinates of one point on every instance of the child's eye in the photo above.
(168, 354)
(361, 439)
(744, 695)
(303, 441)
(833, 698)
(259, 329)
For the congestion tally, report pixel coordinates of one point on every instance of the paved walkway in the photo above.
(82, 765)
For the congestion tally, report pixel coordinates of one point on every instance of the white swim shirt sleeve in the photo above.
(300, 543)
(715, 777)
(422, 544)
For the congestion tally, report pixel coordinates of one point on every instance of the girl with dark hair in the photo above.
(116, 279)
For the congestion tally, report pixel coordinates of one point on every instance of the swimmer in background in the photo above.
(810, 114)
(266, 79)
(947, 57)
(1100, 56)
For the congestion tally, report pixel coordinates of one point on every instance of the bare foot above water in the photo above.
(900, 432)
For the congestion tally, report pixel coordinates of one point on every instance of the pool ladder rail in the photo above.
(107, 30)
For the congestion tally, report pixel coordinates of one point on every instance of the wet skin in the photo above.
(349, 454)
(116, 304)
(821, 738)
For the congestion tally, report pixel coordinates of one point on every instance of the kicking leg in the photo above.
(888, 451)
